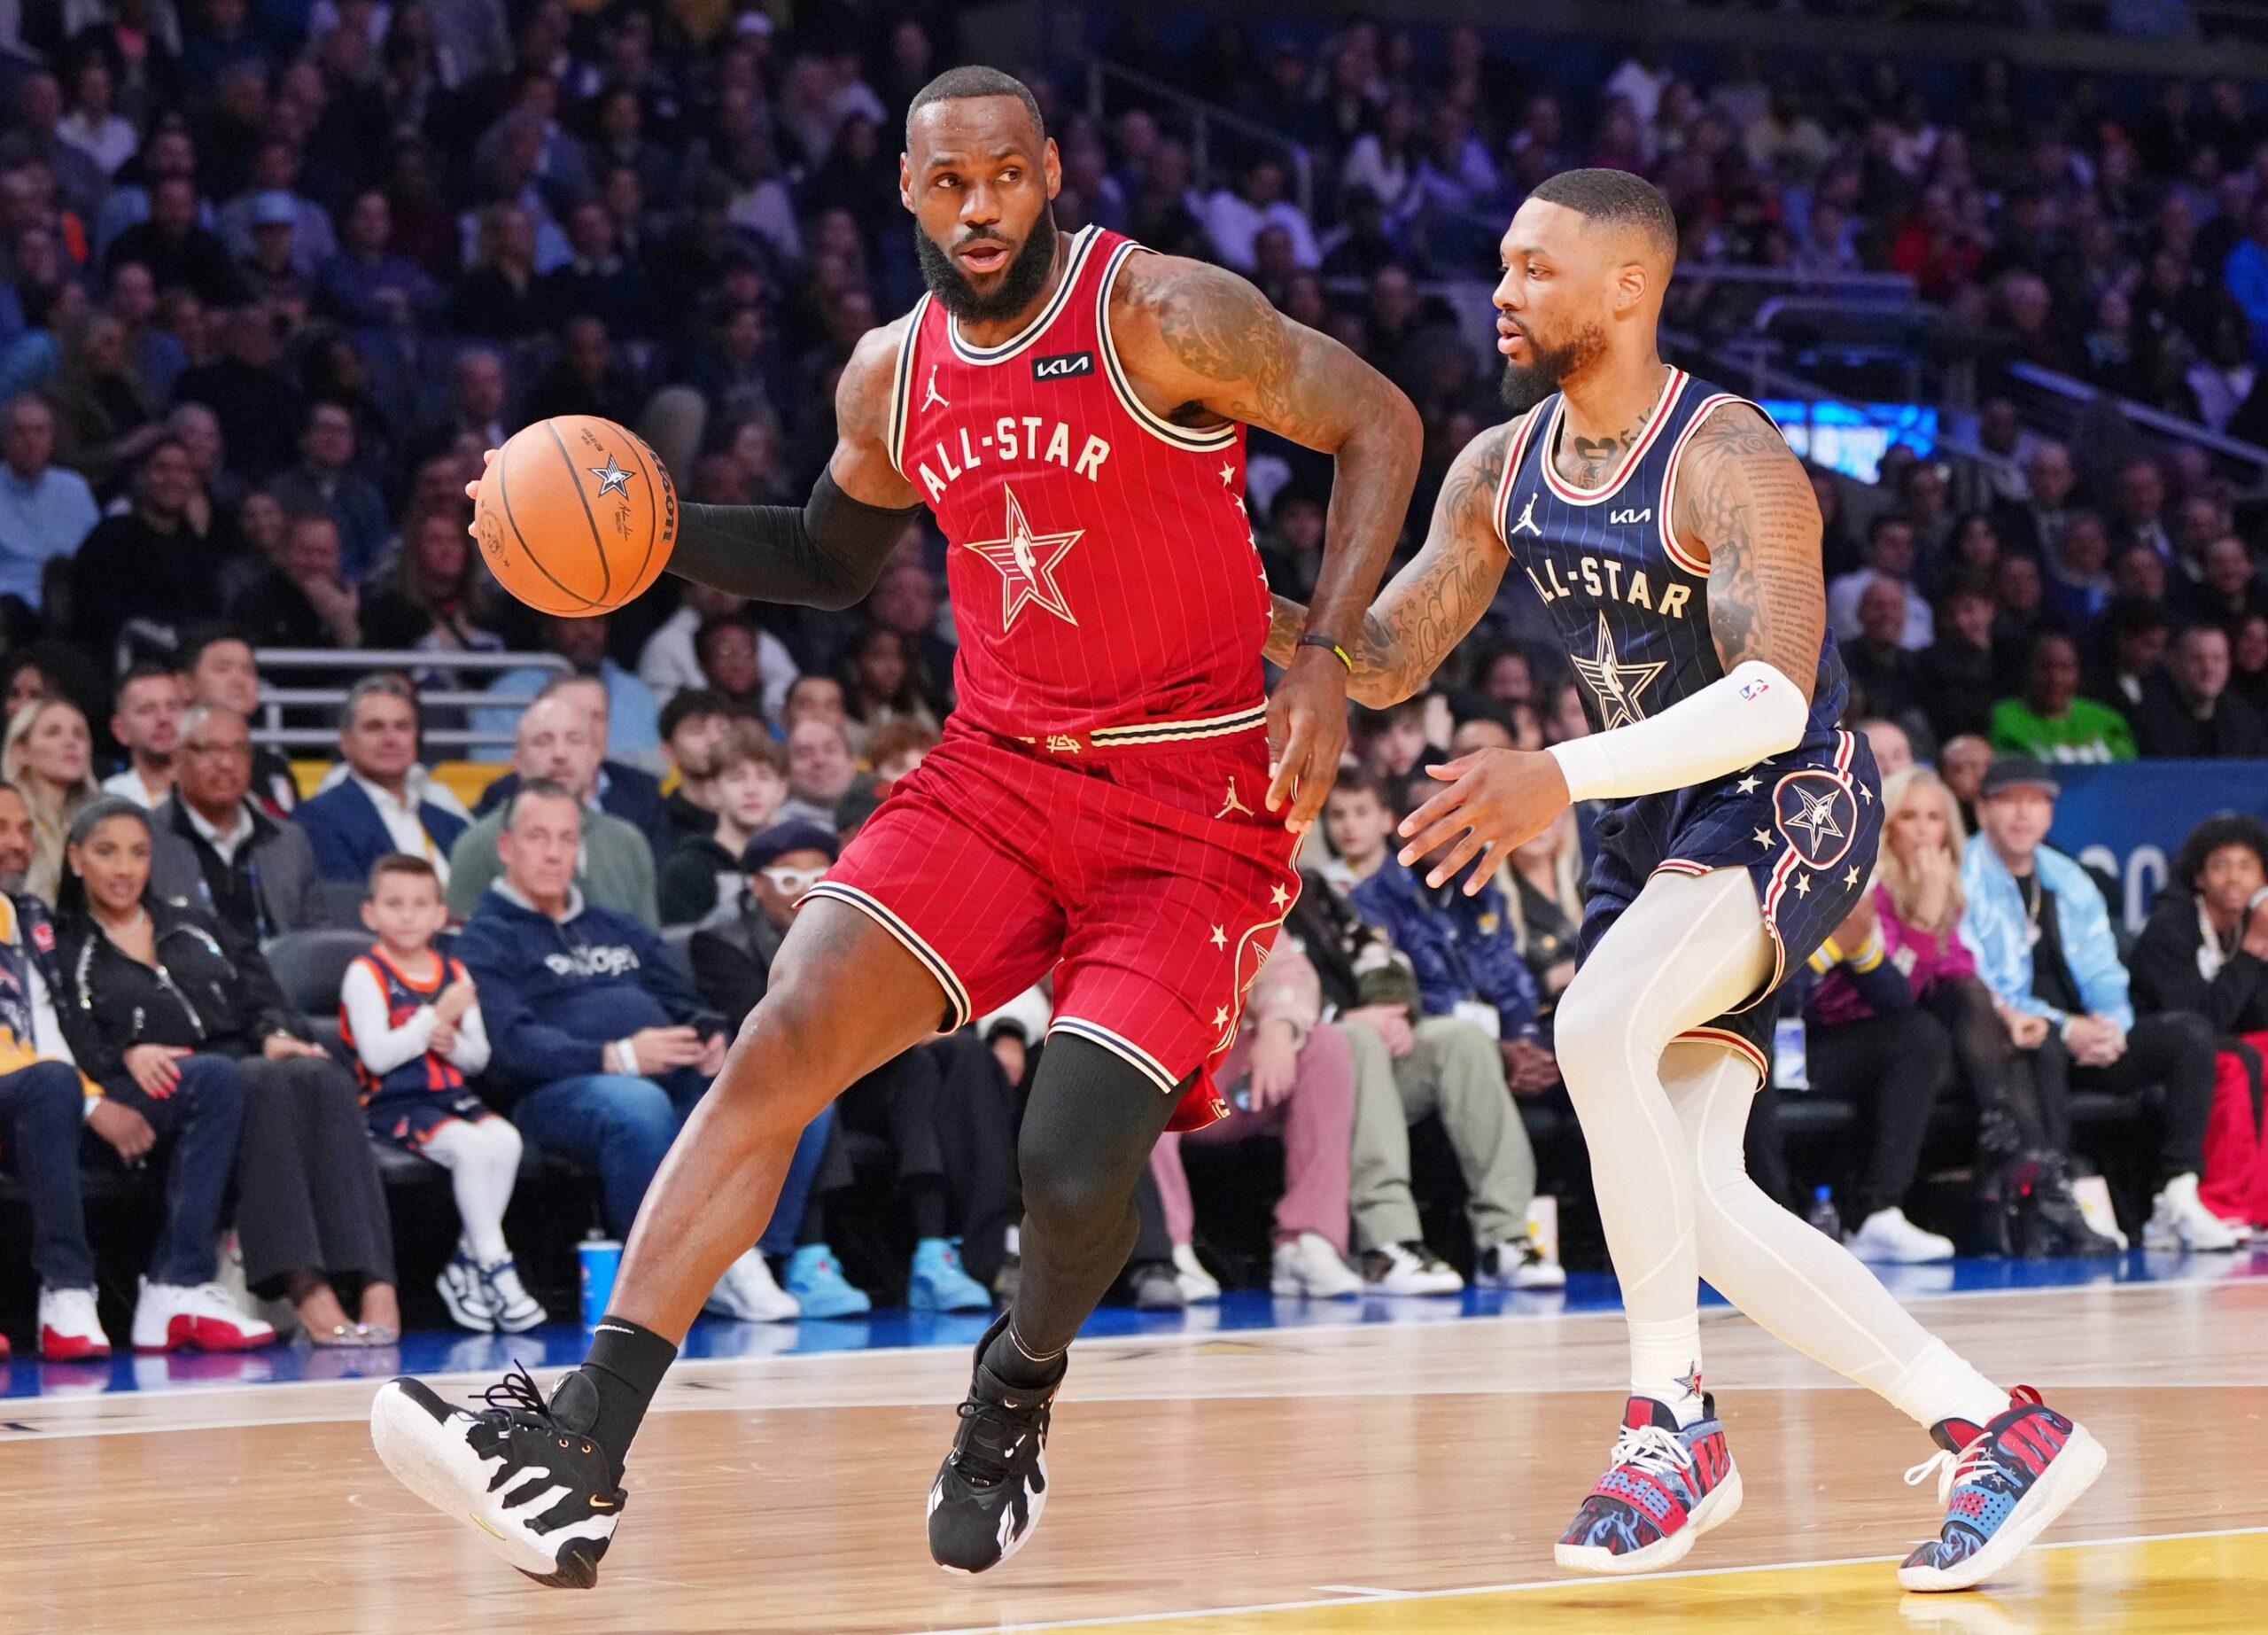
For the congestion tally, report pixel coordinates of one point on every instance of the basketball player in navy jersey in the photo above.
(1115, 801)
(1675, 540)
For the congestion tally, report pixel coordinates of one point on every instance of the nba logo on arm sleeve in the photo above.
(1751, 691)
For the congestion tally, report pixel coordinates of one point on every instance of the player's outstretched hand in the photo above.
(1497, 799)
(472, 488)
(1307, 733)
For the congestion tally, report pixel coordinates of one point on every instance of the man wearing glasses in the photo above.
(216, 846)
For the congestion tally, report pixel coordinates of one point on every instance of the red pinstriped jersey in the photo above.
(1102, 566)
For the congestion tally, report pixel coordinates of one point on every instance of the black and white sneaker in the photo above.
(992, 1486)
(542, 1495)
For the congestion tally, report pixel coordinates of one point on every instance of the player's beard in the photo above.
(1527, 385)
(1026, 276)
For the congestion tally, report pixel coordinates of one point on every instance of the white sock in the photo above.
(483, 1159)
(1665, 1364)
(1939, 1384)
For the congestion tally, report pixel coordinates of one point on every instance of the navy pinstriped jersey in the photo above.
(1631, 604)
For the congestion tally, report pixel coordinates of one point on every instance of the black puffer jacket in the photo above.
(210, 990)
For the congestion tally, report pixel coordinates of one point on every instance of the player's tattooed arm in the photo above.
(1743, 503)
(1202, 345)
(1433, 604)
(861, 463)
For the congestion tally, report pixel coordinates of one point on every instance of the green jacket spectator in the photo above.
(2050, 721)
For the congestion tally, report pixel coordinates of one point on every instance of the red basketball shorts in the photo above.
(1150, 879)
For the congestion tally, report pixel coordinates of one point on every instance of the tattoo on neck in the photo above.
(1587, 460)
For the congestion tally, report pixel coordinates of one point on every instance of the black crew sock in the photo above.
(607, 1397)
(1017, 1367)
(925, 1203)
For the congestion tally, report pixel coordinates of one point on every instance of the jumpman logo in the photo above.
(1527, 523)
(1233, 804)
(932, 396)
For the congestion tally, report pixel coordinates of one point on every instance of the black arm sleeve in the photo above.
(827, 555)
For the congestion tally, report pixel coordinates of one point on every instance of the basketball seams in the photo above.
(598, 544)
(504, 492)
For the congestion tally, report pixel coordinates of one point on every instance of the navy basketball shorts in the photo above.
(1804, 824)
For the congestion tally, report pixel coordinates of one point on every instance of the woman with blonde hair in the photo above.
(2024, 1129)
(48, 755)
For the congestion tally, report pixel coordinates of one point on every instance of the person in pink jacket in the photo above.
(1286, 1075)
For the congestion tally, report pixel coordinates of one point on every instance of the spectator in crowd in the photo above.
(820, 771)
(1955, 679)
(2079, 584)
(2135, 636)
(749, 784)
(1285, 1073)
(625, 709)
(176, 249)
(1891, 553)
(556, 740)
(46, 1103)
(46, 509)
(943, 1108)
(669, 661)
(879, 688)
(305, 597)
(217, 847)
(105, 414)
(2204, 949)
(428, 597)
(385, 803)
(47, 757)
(412, 1018)
(366, 285)
(2187, 710)
(599, 1044)
(2041, 937)
(1541, 881)
(628, 792)
(2050, 721)
(693, 724)
(261, 408)
(1235, 217)
(1886, 675)
(1893, 745)
(164, 993)
(218, 668)
(2023, 1126)
(1962, 763)
(324, 482)
(147, 563)
(147, 725)
(728, 650)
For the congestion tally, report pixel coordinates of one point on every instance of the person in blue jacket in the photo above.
(598, 1043)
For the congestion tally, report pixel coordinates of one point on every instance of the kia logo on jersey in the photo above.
(1063, 366)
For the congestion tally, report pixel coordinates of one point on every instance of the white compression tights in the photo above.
(1664, 1123)
(483, 1159)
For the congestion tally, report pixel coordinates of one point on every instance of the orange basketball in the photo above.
(576, 516)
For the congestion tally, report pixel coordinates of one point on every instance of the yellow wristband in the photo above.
(1337, 651)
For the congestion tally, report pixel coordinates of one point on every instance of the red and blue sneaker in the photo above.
(1664, 1487)
(2002, 1484)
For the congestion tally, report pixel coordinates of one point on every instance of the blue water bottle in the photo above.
(600, 1258)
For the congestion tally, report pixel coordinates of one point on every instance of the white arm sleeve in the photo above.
(1728, 725)
(381, 1049)
(471, 1054)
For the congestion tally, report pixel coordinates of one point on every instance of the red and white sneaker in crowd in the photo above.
(69, 1331)
(200, 1315)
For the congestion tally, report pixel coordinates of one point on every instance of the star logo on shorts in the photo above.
(1220, 1017)
(1853, 877)
(612, 478)
(1616, 685)
(1747, 786)
(1802, 885)
(1764, 839)
(1026, 562)
(1220, 937)
(1279, 896)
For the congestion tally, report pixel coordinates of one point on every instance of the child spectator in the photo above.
(412, 1018)
(751, 782)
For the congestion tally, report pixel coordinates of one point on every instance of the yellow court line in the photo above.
(2191, 1584)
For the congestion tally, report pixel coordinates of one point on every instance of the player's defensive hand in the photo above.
(1497, 799)
(1307, 733)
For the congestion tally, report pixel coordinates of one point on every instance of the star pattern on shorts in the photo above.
(612, 478)
(1866, 794)
(1853, 877)
(1220, 937)
(1747, 786)
(1803, 884)
(1027, 562)
(1279, 896)
(1764, 839)
(1220, 1017)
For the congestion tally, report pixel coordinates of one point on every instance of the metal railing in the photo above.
(2073, 402)
(274, 700)
(1204, 119)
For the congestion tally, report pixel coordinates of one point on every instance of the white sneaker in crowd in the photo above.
(69, 1331)
(1310, 1266)
(1518, 1263)
(748, 1294)
(2179, 1220)
(1198, 1286)
(197, 1315)
(1408, 1269)
(1887, 1236)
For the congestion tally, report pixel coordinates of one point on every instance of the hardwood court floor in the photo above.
(1381, 1477)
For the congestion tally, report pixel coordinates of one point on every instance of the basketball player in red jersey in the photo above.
(1115, 800)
